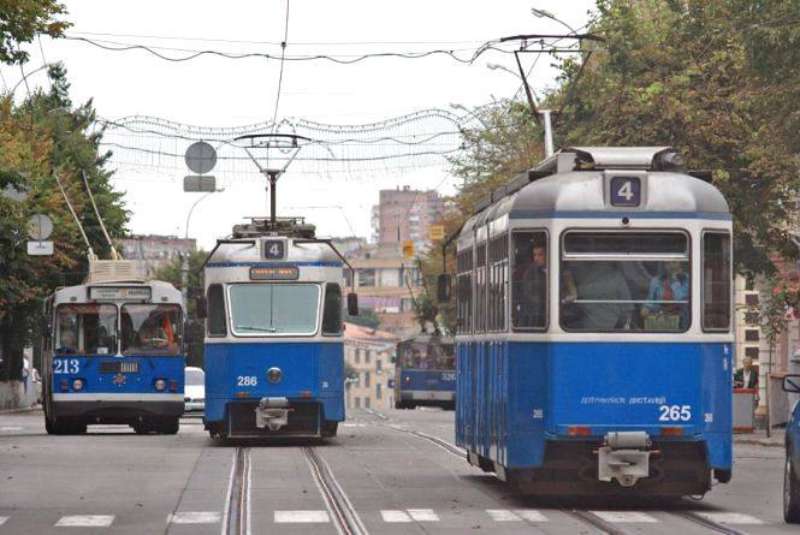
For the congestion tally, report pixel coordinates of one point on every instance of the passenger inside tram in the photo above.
(667, 297)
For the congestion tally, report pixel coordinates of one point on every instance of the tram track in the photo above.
(707, 523)
(236, 517)
(343, 515)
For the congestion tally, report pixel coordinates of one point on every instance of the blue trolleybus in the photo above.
(274, 354)
(425, 372)
(594, 327)
(114, 355)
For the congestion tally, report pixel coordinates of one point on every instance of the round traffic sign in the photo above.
(201, 157)
(40, 227)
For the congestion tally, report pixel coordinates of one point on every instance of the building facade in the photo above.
(153, 252)
(369, 362)
(406, 214)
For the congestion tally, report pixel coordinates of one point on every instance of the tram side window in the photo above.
(716, 281)
(529, 281)
(480, 288)
(216, 311)
(151, 329)
(86, 329)
(332, 314)
(625, 281)
(464, 291)
(498, 269)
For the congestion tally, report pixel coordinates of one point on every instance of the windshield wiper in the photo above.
(256, 328)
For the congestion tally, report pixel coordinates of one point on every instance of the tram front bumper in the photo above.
(272, 413)
(625, 456)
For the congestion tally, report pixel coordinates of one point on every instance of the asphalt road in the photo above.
(396, 472)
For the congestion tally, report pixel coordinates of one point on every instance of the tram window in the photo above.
(332, 314)
(634, 282)
(498, 275)
(86, 329)
(464, 291)
(274, 309)
(480, 288)
(529, 281)
(151, 329)
(716, 281)
(216, 311)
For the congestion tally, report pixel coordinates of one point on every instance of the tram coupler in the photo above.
(272, 413)
(625, 456)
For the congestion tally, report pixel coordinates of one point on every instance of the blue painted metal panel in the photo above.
(436, 380)
(150, 368)
(539, 390)
(311, 371)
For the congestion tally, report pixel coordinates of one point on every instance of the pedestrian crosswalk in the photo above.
(413, 515)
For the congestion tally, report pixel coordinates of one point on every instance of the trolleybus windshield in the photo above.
(86, 329)
(632, 281)
(149, 329)
(426, 356)
(274, 309)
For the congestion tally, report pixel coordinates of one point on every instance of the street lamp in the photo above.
(189, 215)
(544, 14)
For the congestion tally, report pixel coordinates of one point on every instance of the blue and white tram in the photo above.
(594, 327)
(114, 354)
(274, 353)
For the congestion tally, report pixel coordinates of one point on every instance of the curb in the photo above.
(18, 411)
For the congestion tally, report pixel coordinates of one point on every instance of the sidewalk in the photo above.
(15, 411)
(759, 438)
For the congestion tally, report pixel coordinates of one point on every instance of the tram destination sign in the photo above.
(279, 273)
(117, 293)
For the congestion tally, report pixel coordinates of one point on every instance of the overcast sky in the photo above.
(218, 92)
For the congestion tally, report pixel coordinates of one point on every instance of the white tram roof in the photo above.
(160, 292)
(572, 184)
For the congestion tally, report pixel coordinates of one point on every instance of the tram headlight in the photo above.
(274, 375)
(77, 385)
(160, 384)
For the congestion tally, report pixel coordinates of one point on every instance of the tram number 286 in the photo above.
(675, 413)
(247, 380)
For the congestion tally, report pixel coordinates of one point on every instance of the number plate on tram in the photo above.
(626, 191)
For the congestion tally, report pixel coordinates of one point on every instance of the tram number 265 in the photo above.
(247, 380)
(675, 413)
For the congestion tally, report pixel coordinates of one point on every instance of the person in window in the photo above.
(746, 376)
(67, 345)
(608, 306)
(532, 305)
(671, 285)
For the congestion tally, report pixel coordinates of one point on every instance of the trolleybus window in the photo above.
(716, 281)
(86, 329)
(332, 313)
(151, 329)
(625, 281)
(274, 309)
(426, 355)
(216, 311)
(529, 281)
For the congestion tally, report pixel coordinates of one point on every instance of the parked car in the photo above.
(791, 477)
(195, 390)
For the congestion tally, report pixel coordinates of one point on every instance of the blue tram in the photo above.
(425, 372)
(594, 305)
(113, 354)
(274, 353)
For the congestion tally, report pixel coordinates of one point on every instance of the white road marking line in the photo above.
(301, 517)
(625, 517)
(531, 515)
(423, 515)
(353, 425)
(3, 520)
(503, 515)
(11, 428)
(226, 511)
(731, 518)
(393, 516)
(85, 521)
(194, 517)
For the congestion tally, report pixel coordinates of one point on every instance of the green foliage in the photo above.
(22, 20)
(41, 137)
(172, 273)
(366, 318)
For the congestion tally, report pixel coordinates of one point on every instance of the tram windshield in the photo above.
(86, 329)
(274, 309)
(151, 329)
(632, 281)
(423, 355)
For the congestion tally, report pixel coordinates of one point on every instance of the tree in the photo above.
(366, 318)
(40, 139)
(22, 20)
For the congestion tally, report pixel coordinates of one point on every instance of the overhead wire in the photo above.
(283, 63)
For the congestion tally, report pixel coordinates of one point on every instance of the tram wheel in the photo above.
(723, 476)
(169, 426)
(329, 429)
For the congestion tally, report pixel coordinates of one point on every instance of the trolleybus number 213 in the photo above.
(66, 366)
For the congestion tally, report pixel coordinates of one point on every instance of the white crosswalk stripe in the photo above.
(423, 515)
(531, 515)
(301, 517)
(85, 521)
(517, 515)
(395, 516)
(194, 517)
(3, 520)
(731, 518)
(625, 517)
